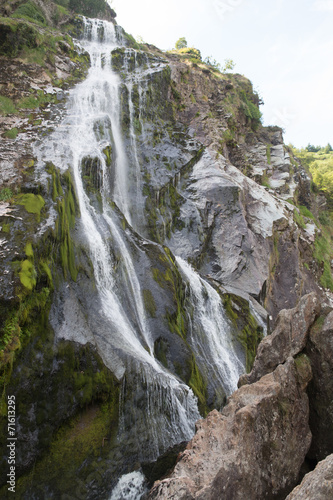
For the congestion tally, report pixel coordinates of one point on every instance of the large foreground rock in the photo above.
(288, 339)
(254, 448)
(317, 485)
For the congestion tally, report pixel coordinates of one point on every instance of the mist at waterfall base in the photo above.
(157, 410)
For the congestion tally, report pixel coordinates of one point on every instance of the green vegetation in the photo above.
(6, 106)
(198, 385)
(323, 253)
(33, 203)
(149, 303)
(181, 43)
(12, 133)
(298, 218)
(30, 11)
(67, 208)
(247, 332)
(6, 194)
(319, 162)
(190, 52)
(228, 64)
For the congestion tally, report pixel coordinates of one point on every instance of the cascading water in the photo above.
(210, 333)
(156, 409)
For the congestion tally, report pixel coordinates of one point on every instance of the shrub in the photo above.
(191, 52)
(31, 11)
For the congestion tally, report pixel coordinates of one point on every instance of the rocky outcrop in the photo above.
(253, 449)
(316, 485)
(288, 339)
(320, 351)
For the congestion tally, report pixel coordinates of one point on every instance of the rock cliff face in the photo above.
(150, 235)
(256, 447)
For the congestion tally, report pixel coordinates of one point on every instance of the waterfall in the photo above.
(156, 409)
(210, 336)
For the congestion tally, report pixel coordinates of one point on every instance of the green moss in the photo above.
(56, 181)
(250, 337)
(19, 323)
(247, 331)
(6, 106)
(45, 269)
(160, 350)
(149, 303)
(108, 155)
(33, 203)
(198, 385)
(67, 208)
(12, 133)
(306, 212)
(29, 251)
(268, 153)
(28, 274)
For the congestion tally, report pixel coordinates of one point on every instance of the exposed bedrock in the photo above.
(254, 448)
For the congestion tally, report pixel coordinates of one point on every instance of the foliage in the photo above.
(30, 11)
(181, 43)
(5, 194)
(90, 8)
(6, 106)
(212, 63)
(11, 133)
(228, 65)
(190, 51)
(251, 110)
(319, 162)
(324, 254)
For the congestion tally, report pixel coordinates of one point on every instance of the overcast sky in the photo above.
(284, 47)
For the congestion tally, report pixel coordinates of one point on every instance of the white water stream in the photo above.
(210, 335)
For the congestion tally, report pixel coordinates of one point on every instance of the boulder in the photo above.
(316, 485)
(288, 339)
(254, 448)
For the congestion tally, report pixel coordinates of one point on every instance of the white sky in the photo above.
(284, 47)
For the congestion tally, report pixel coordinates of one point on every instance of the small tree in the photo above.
(181, 43)
(228, 65)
